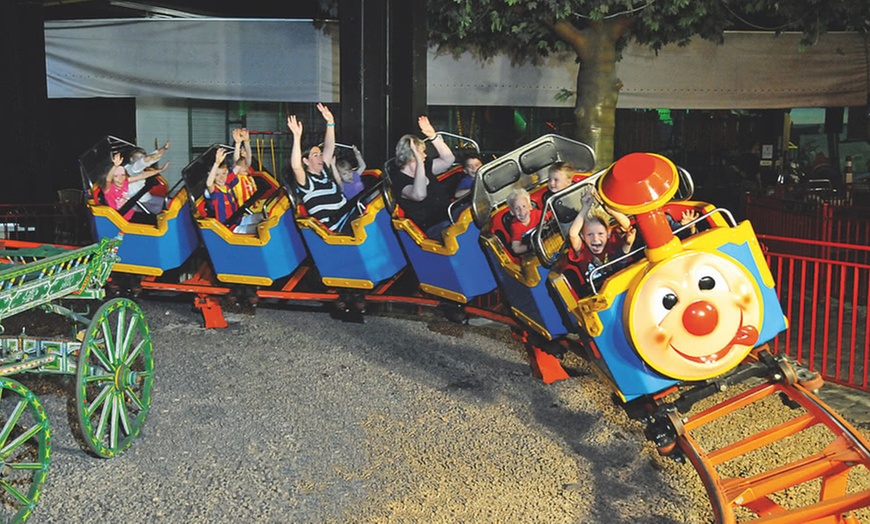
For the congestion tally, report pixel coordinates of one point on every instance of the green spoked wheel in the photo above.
(114, 377)
(25, 450)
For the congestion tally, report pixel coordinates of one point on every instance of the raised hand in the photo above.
(596, 196)
(630, 235)
(295, 126)
(327, 114)
(587, 198)
(425, 126)
(117, 159)
(416, 150)
(220, 155)
(237, 135)
(688, 216)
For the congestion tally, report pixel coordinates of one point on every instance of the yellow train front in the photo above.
(676, 309)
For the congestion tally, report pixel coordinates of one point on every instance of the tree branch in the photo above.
(568, 33)
(619, 25)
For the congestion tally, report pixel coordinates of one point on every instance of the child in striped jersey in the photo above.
(218, 191)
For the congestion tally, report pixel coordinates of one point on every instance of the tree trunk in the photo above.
(597, 86)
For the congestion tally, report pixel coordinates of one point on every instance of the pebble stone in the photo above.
(290, 416)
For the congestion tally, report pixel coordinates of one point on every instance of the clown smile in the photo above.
(745, 336)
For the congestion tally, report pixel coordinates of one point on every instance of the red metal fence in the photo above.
(825, 221)
(825, 299)
(816, 247)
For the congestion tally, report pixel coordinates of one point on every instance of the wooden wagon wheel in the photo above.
(114, 377)
(25, 450)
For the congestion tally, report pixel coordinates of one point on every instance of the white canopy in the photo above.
(292, 60)
(750, 71)
(212, 59)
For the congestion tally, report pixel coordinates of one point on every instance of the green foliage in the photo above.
(523, 29)
(564, 95)
(598, 29)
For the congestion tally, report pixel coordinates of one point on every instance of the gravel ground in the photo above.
(291, 416)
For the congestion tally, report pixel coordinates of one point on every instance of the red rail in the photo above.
(821, 220)
(767, 487)
(825, 298)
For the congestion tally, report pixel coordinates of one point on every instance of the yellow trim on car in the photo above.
(263, 235)
(244, 279)
(138, 270)
(175, 205)
(357, 225)
(531, 323)
(355, 283)
(448, 245)
(526, 271)
(444, 293)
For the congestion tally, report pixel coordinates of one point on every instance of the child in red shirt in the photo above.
(593, 242)
(526, 218)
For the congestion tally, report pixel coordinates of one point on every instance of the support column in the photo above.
(383, 54)
(406, 54)
(362, 52)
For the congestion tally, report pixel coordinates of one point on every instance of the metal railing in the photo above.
(824, 221)
(59, 223)
(825, 299)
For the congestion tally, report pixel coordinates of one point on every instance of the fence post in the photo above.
(825, 230)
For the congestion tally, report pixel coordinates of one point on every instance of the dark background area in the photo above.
(44, 137)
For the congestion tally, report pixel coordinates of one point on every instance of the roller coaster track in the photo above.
(759, 493)
(732, 497)
(207, 290)
(832, 465)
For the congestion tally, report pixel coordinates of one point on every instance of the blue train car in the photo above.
(523, 279)
(160, 236)
(367, 253)
(452, 265)
(269, 248)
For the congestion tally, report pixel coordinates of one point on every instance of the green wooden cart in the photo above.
(109, 352)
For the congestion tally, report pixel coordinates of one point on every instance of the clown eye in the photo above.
(663, 301)
(710, 278)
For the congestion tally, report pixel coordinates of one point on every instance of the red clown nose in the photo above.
(700, 318)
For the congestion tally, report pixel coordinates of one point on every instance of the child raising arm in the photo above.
(592, 240)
